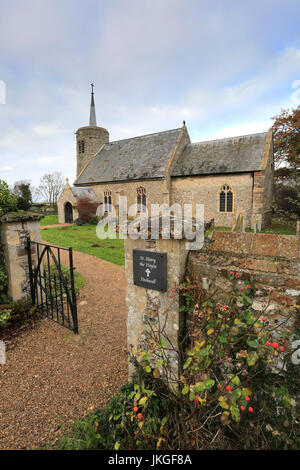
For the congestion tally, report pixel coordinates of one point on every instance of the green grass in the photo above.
(49, 220)
(82, 238)
(79, 280)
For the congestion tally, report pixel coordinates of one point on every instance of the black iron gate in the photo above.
(51, 275)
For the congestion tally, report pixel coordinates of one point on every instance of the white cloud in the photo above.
(44, 130)
(6, 168)
(225, 69)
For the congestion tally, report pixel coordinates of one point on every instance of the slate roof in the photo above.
(84, 192)
(142, 157)
(230, 155)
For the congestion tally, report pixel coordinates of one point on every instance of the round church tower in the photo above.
(89, 139)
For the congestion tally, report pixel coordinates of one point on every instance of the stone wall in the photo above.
(153, 191)
(14, 231)
(263, 187)
(66, 196)
(94, 138)
(205, 190)
(272, 260)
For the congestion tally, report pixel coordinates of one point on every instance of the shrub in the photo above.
(5, 316)
(23, 193)
(86, 208)
(8, 201)
(231, 393)
(3, 283)
(287, 199)
(93, 220)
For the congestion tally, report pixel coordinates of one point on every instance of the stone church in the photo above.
(229, 176)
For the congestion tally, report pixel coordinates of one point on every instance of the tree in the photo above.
(23, 193)
(8, 201)
(51, 186)
(86, 208)
(286, 139)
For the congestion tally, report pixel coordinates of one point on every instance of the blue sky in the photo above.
(225, 67)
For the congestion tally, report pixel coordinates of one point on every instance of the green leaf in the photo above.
(246, 392)
(203, 353)
(185, 390)
(236, 380)
(187, 363)
(252, 343)
(287, 401)
(209, 383)
(117, 445)
(143, 400)
(191, 353)
(159, 363)
(235, 413)
(237, 393)
(148, 369)
(223, 403)
(252, 358)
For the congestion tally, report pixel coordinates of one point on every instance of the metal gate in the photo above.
(52, 282)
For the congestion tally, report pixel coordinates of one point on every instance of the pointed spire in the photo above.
(93, 121)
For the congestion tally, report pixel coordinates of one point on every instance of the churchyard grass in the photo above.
(83, 238)
(49, 220)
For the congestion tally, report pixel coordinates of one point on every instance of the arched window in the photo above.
(81, 146)
(141, 199)
(226, 199)
(107, 200)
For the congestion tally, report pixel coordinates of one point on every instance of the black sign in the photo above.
(150, 269)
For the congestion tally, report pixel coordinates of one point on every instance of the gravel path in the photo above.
(53, 376)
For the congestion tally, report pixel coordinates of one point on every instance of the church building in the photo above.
(229, 176)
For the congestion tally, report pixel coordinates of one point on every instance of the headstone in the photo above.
(239, 224)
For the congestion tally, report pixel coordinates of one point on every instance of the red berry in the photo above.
(248, 287)
(275, 345)
(135, 409)
(173, 290)
(139, 416)
(219, 386)
(242, 289)
(267, 343)
(247, 398)
(228, 388)
(231, 273)
(250, 409)
(171, 296)
(264, 319)
(196, 398)
(281, 348)
(242, 407)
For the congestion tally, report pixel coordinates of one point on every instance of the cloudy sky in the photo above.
(225, 66)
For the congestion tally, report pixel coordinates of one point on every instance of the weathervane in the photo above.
(92, 85)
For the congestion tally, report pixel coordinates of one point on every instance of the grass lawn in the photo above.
(79, 280)
(83, 238)
(49, 220)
